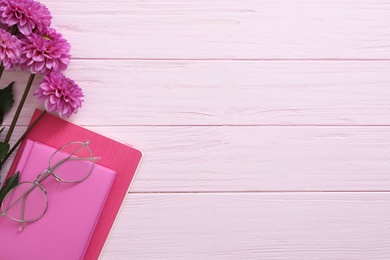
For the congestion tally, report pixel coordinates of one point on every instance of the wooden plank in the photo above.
(250, 29)
(259, 158)
(225, 159)
(252, 226)
(225, 93)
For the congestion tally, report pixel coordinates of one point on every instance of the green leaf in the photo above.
(6, 100)
(4, 148)
(9, 184)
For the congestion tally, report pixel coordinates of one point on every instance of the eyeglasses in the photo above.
(28, 201)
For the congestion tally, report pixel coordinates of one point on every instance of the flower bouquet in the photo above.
(28, 43)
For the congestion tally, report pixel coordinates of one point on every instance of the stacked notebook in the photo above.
(79, 216)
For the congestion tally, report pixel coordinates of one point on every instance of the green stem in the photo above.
(22, 137)
(14, 30)
(1, 69)
(21, 103)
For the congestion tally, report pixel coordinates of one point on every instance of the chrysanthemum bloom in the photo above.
(60, 94)
(3, 4)
(28, 15)
(10, 50)
(45, 53)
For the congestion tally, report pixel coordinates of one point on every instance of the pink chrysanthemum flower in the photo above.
(28, 15)
(3, 4)
(45, 53)
(10, 50)
(60, 94)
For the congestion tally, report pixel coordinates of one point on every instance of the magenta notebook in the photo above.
(64, 232)
(117, 156)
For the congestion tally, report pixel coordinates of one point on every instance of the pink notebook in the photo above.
(122, 158)
(64, 232)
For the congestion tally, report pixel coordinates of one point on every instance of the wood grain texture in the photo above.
(249, 29)
(226, 93)
(239, 159)
(292, 226)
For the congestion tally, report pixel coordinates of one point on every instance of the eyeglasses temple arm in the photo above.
(42, 176)
(23, 224)
(83, 159)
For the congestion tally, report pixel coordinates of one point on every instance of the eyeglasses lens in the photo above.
(72, 163)
(25, 203)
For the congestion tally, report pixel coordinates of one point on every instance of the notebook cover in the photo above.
(73, 210)
(122, 158)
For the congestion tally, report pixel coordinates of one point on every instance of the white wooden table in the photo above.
(265, 124)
